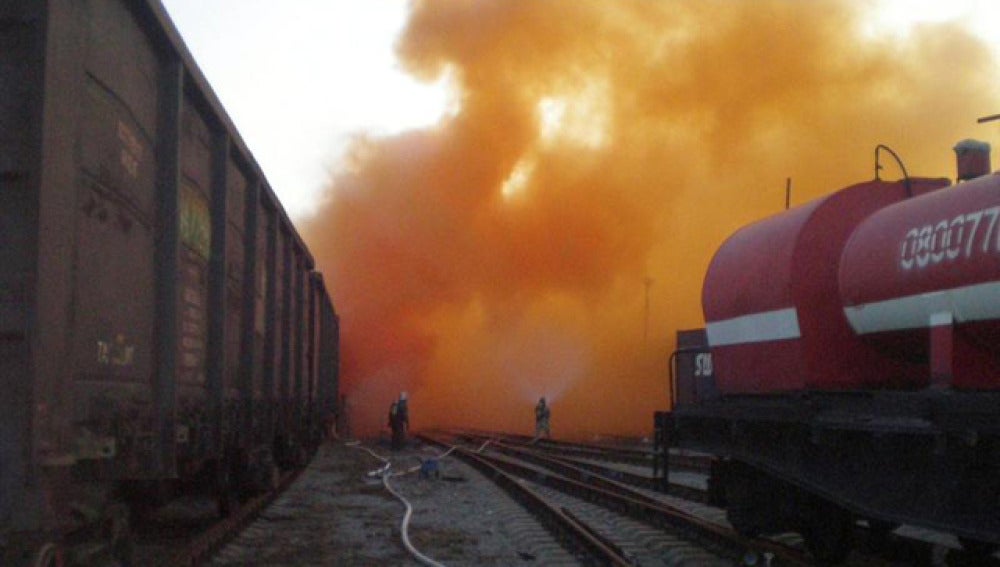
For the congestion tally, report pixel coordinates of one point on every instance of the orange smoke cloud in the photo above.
(550, 236)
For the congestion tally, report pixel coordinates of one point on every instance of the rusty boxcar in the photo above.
(160, 319)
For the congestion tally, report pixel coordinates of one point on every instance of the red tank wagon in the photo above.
(161, 325)
(853, 342)
(920, 280)
(768, 296)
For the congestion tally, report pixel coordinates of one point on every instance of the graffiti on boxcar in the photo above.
(117, 352)
(131, 152)
(195, 222)
(192, 331)
(193, 320)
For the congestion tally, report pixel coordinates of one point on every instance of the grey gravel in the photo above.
(336, 514)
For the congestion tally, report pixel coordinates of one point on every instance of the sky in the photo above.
(301, 78)
(519, 199)
(338, 57)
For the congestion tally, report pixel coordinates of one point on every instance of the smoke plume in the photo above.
(550, 235)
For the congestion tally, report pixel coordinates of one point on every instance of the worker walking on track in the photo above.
(542, 419)
(402, 408)
(399, 421)
(396, 426)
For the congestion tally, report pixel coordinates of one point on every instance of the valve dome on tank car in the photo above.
(770, 298)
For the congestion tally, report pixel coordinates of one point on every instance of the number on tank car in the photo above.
(951, 239)
(703, 364)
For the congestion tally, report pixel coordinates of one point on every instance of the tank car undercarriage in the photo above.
(815, 463)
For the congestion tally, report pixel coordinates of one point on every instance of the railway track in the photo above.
(610, 466)
(677, 528)
(358, 505)
(688, 478)
(612, 453)
(582, 516)
(193, 532)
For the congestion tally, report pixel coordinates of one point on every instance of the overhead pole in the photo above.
(645, 331)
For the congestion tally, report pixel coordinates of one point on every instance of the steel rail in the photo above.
(626, 501)
(886, 545)
(617, 454)
(575, 536)
(606, 477)
(205, 544)
(638, 457)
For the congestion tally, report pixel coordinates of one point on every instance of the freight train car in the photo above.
(854, 368)
(161, 325)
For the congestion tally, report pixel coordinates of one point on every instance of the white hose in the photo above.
(404, 526)
(48, 555)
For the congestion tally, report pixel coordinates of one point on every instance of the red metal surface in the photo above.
(923, 263)
(784, 269)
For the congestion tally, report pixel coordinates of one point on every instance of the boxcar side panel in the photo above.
(284, 324)
(250, 339)
(312, 342)
(266, 313)
(235, 196)
(298, 337)
(20, 107)
(273, 322)
(329, 355)
(195, 226)
(150, 282)
(220, 404)
(280, 312)
(113, 284)
(52, 401)
(235, 219)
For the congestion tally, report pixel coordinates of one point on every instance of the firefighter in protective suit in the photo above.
(542, 419)
(396, 427)
(399, 421)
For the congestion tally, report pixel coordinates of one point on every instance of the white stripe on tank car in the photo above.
(979, 302)
(777, 325)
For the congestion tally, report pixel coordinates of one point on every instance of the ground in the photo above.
(337, 513)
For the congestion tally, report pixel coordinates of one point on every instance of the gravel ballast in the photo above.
(336, 513)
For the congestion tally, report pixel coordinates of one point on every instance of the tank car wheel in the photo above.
(828, 533)
(118, 533)
(264, 474)
(978, 549)
(879, 532)
(268, 474)
(227, 494)
(742, 520)
(49, 555)
(743, 506)
(979, 496)
(274, 477)
(300, 457)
